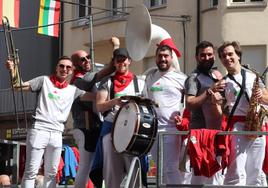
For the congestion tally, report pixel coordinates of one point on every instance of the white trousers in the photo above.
(171, 159)
(39, 143)
(85, 160)
(115, 165)
(246, 159)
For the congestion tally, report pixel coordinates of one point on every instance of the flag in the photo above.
(11, 10)
(49, 13)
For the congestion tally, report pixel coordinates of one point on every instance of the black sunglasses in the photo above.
(68, 67)
(86, 58)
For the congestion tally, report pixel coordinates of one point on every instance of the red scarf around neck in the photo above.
(77, 74)
(57, 83)
(121, 81)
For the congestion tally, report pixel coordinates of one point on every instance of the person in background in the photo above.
(86, 121)
(54, 100)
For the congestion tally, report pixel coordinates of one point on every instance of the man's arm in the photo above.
(15, 79)
(110, 68)
(88, 96)
(264, 96)
(193, 102)
(102, 104)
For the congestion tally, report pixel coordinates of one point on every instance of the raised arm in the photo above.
(110, 68)
(15, 79)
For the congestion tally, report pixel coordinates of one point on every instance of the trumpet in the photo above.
(12, 54)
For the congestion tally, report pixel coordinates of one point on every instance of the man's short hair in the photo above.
(163, 48)
(202, 45)
(236, 46)
(64, 57)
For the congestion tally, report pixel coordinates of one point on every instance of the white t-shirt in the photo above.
(53, 104)
(232, 90)
(165, 88)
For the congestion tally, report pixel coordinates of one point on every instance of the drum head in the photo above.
(124, 126)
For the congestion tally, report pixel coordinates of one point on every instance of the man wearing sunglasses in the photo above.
(55, 98)
(86, 120)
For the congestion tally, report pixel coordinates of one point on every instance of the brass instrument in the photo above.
(12, 54)
(256, 112)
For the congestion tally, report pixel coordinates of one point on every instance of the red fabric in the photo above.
(169, 42)
(89, 184)
(60, 167)
(184, 126)
(56, 18)
(57, 83)
(224, 123)
(77, 74)
(265, 162)
(16, 12)
(234, 120)
(203, 153)
(121, 81)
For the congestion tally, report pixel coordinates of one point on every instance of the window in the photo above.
(155, 3)
(117, 7)
(245, 1)
(214, 3)
(83, 10)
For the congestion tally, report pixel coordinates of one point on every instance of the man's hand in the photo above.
(10, 65)
(115, 42)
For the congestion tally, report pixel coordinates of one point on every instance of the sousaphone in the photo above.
(140, 32)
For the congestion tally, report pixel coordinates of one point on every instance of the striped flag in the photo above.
(10, 9)
(49, 13)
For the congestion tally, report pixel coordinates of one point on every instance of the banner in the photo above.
(49, 13)
(11, 10)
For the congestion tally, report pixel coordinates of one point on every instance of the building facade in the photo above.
(187, 22)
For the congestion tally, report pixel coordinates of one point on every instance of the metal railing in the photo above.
(133, 178)
(160, 158)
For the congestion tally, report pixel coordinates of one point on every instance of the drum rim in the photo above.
(135, 130)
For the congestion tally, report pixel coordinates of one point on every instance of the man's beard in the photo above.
(163, 69)
(205, 66)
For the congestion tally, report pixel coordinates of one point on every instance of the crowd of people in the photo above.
(213, 103)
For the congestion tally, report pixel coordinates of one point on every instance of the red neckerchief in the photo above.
(57, 83)
(121, 81)
(77, 74)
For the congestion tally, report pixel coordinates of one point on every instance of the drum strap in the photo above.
(135, 82)
(111, 85)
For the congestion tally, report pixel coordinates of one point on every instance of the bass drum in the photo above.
(135, 128)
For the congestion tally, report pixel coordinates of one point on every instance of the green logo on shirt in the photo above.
(156, 87)
(53, 97)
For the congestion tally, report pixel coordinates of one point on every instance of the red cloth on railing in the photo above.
(204, 145)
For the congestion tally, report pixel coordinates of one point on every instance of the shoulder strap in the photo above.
(112, 88)
(136, 85)
(239, 95)
(242, 87)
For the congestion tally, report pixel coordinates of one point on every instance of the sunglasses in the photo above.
(86, 58)
(68, 67)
